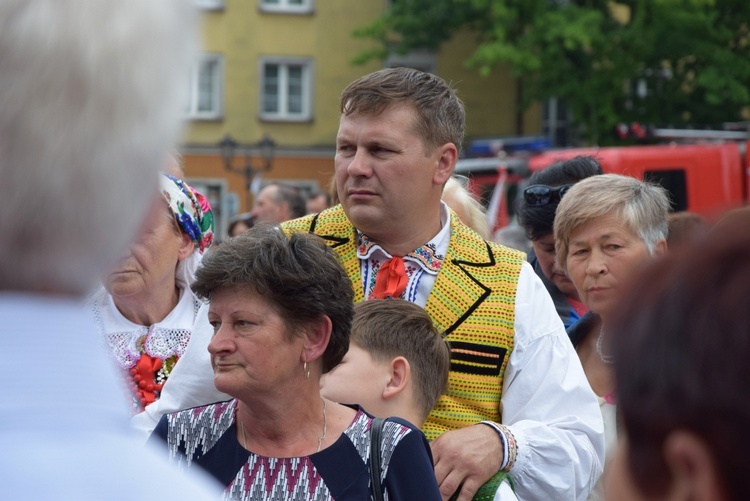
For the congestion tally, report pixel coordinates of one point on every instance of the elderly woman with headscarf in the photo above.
(145, 309)
(281, 310)
(606, 228)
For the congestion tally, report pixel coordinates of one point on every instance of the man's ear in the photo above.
(447, 155)
(692, 467)
(400, 375)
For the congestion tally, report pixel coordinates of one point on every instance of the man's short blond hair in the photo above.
(440, 114)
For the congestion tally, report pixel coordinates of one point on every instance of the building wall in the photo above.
(243, 34)
(490, 100)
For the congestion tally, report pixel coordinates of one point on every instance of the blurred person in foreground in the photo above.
(681, 342)
(175, 166)
(536, 214)
(90, 103)
(518, 404)
(686, 228)
(281, 309)
(606, 229)
(145, 312)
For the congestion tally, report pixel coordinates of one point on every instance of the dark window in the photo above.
(675, 182)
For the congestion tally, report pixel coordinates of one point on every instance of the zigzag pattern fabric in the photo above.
(193, 434)
(272, 478)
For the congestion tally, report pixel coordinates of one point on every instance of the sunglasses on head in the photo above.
(539, 194)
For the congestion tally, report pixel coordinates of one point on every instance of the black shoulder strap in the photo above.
(376, 430)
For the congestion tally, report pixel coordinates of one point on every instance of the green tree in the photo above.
(664, 62)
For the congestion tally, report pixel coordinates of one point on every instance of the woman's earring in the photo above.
(306, 368)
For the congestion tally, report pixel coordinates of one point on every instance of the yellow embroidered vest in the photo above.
(472, 303)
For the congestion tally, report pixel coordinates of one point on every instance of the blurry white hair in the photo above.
(91, 94)
(469, 210)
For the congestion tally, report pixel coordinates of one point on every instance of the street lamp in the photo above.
(266, 148)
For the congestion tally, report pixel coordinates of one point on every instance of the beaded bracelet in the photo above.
(510, 446)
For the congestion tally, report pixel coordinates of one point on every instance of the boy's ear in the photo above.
(400, 375)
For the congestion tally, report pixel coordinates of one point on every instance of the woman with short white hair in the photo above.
(606, 228)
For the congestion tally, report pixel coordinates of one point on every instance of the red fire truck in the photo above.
(708, 174)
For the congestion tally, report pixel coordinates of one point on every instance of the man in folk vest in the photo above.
(518, 403)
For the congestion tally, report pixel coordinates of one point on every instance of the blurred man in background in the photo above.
(318, 201)
(278, 202)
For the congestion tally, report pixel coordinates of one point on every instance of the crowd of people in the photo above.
(368, 342)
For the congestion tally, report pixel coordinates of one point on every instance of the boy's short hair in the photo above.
(389, 328)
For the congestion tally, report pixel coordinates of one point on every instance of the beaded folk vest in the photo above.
(472, 303)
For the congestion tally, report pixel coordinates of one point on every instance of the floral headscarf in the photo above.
(191, 210)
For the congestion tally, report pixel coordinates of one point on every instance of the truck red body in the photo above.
(707, 178)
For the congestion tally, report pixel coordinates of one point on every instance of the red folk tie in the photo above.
(391, 280)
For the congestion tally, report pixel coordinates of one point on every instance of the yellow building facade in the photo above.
(276, 68)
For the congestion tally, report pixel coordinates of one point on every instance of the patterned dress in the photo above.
(206, 437)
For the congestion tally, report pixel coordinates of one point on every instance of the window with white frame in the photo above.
(287, 6)
(205, 92)
(286, 89)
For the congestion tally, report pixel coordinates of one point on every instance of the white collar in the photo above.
(125, 339)
(429, 256)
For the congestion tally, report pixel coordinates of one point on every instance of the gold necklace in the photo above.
(325, 425)
(320, 438)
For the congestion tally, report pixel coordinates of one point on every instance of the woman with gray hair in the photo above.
(281, 310)
(606, 228)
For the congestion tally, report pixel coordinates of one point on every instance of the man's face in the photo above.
(267, 209)
(386, 181)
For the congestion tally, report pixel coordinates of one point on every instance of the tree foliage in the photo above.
(664, 62)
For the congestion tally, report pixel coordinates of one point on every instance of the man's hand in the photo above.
(468, 456)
